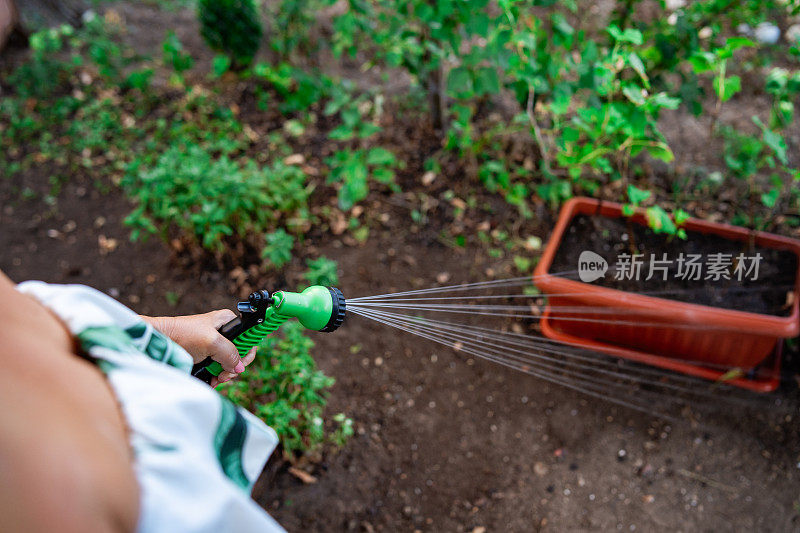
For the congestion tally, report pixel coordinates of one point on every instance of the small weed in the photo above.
(321, 271)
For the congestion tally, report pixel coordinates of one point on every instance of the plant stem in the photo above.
(537, 132)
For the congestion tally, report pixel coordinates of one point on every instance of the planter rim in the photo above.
(675, 311)
(764, 383)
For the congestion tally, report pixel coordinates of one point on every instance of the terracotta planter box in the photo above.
(694, 339)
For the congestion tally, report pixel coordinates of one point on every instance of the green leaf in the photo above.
(636, 195)
(630, 35)
(523, 264)
(355, 186)
(732, 44)
(659, 221)
(727, 87)
(634, 94)
(775, 141)
(561, 25)
(680, 217)
(383, 175)
(279, 247)
(663, 100)
(459, 83)
(380, 156)
(702, 61)
(322, 271)
(220, 65)
(770, 198)
(486, 81)
(294, 128)
(636, 64)
(661, 151)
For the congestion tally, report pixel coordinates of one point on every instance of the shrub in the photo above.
(45, 72)
(232, 27)
(212, 198)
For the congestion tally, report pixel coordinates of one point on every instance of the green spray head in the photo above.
(317, 308)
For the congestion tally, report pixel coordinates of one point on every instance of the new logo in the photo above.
(591, 266)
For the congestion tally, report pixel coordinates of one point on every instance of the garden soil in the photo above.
(443, 442)
(768, 288)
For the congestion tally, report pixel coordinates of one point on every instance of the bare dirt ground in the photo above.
(443, 442)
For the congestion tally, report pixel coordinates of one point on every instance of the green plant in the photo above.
(716, 61)
(284, 387)
(354, 167)
(657, 218)
(321, 271)
(296, 89)
(293, 25)
(784, 87)
(762, 164)
(45, 72)
(232, 27)
(278, 249)
(175, 56)
(420, 37)
(212, 198)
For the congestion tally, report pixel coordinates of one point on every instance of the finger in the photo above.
(225, 376)
(225, 353)
(221, 317)
(250, 356)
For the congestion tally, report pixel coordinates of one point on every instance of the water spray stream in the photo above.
(622, 382)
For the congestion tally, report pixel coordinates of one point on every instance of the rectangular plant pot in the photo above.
(694, 339)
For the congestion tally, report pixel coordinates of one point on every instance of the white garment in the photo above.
(196, 455)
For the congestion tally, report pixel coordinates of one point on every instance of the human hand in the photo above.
(198, 335)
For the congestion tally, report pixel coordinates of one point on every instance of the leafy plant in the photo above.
(232, 27)
(211, 198)
(284, 387)
(321, 271)
(657, 218)
(354, 168)
(297, 89)
(419, 37)
(784, 87)
(175, 56)
(716, 62)
(293, 25)
(45, 72)
(278, 249)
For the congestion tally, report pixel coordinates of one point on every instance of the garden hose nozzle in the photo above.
(318, 308)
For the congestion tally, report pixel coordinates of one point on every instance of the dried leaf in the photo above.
(295, 159)
(302, 475)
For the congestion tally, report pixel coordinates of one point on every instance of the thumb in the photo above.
(221, 317)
